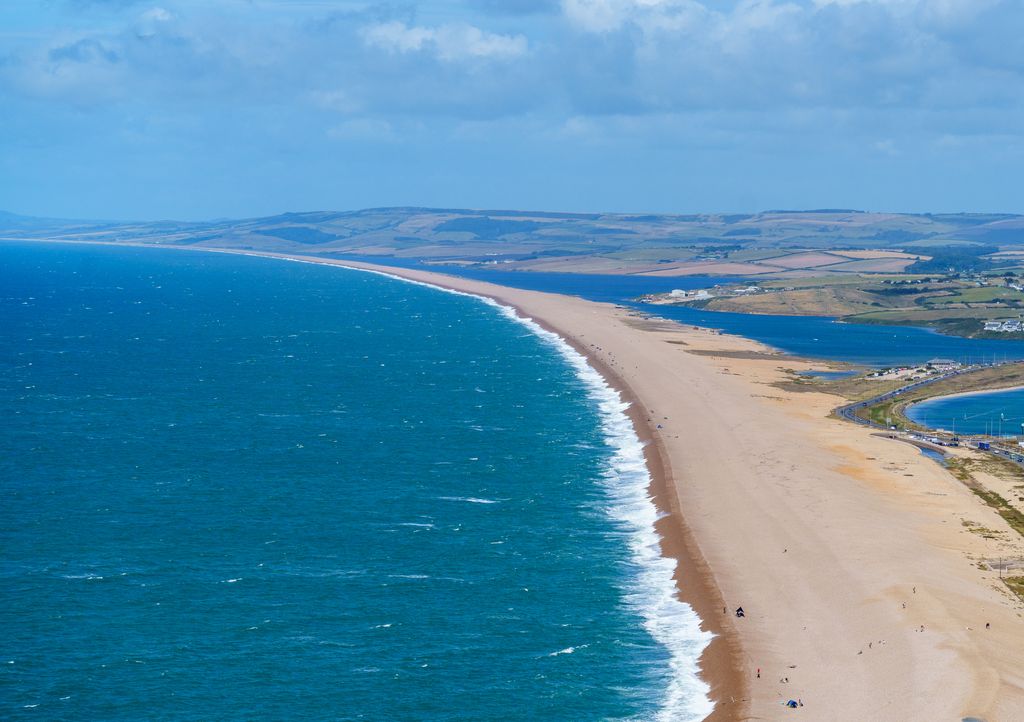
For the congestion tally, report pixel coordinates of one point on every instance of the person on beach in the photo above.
(740, 612)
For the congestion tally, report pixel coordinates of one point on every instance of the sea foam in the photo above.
(652, 591)
(626, 481)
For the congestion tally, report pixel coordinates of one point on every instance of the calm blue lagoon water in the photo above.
(992, 412)
(826, 338)
(238, 488)
(808, 336)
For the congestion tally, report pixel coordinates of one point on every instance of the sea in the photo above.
(242, 488)
(996, 413)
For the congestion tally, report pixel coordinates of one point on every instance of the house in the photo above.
(698, 295)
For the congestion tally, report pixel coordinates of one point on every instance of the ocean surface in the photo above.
(239, 488)
(818, 337)
(991, 412)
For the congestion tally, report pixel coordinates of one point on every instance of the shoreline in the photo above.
(866, 597)
(903, 411)
(979, 392)
(679, 474)
(720, 662)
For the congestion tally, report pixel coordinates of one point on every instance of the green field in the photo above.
(983, 294)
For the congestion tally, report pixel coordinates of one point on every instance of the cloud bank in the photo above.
(920, 80)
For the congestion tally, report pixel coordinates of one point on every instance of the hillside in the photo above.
(779, 244)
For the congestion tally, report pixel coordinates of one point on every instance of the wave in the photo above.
(652, 591)
(568, 650)
(470, 499)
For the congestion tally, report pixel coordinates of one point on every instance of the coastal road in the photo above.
(849, 411)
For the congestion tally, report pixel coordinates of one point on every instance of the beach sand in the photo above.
(862, 587)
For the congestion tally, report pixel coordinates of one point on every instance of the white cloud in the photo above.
(160, 15)
(602, 16)
(151, 20)
(596, 16)
(448, 42)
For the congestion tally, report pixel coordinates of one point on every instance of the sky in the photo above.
(201, 109)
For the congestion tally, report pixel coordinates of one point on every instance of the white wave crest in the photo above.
(652, 592)
(470, 499)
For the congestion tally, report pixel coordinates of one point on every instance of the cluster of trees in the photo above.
(954, 259)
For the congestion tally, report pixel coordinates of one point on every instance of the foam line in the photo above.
(652, 593)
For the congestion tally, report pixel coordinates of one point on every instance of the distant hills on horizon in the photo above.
(649, 244)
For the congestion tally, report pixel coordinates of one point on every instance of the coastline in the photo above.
(819, 529)
(970, 679)
(720, 662)
(904, 410)
(979, 392)
(721, 665)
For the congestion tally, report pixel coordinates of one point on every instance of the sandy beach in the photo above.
(856, 559)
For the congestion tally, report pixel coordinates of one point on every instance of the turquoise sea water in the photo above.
(239, 488)
(995, 412)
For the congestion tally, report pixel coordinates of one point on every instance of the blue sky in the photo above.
(195, 109)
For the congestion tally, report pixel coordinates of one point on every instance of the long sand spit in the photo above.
(840, 546)
(865, 592)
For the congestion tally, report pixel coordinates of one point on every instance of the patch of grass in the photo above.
(820, 281)
(962, 468)
(1012, 516)
(1016, 585)
(982, 294)
(999, 467)
(981, 531)
(881, 413)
